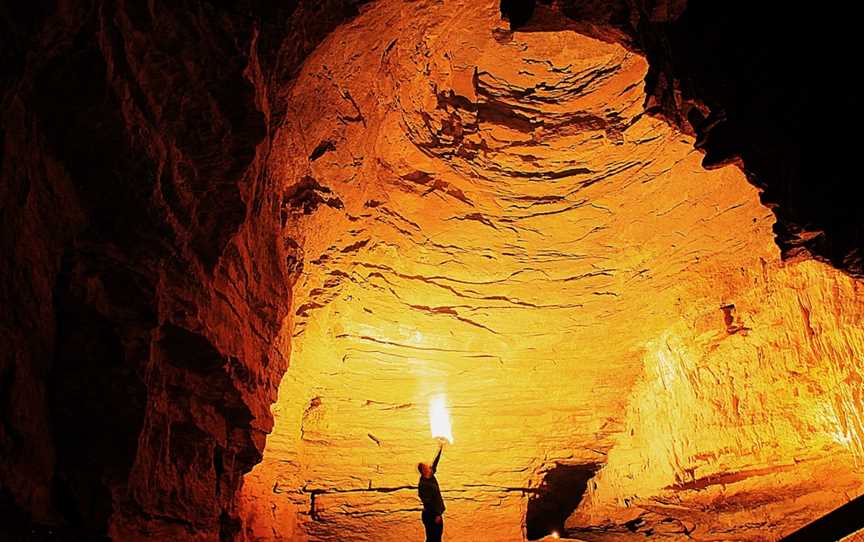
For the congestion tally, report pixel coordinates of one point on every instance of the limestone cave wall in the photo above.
(434, 200)
(752, 82)
(492, 215)
(144, 276)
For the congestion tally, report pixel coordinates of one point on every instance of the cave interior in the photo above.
(255, 255)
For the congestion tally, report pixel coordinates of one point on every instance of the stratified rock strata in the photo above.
(619, 237)
(492, 215)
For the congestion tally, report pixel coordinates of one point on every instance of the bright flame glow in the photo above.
(439, 418)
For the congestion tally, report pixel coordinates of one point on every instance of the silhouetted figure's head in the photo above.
(425, 470)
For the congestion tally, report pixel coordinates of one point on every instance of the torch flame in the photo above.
(439, 418)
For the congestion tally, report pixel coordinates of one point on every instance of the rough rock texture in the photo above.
(753, 82)
(143, 275)
(468, 211)
(492, 216)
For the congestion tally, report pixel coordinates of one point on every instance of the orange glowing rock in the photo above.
(495, 215)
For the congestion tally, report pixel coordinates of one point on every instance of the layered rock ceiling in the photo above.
(492, 217)
(243, 245)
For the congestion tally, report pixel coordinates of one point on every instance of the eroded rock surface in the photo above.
(752, 83)
(465, 210)
(491, 215)
(143, 275)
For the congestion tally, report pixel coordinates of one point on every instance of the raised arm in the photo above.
(437, 458)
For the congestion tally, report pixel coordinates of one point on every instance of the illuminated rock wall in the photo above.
(492, 216)
(745, 431)
(431, 205)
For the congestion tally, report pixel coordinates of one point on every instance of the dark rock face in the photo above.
(556, 498)
(142, 274)
(758, 84)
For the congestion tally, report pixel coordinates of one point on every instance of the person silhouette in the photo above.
(430, 495)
